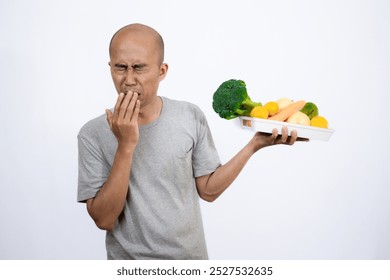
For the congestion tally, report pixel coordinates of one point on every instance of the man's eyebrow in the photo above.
(134, 65)
(138, 65)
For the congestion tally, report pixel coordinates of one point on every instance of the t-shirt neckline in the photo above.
(160, 117)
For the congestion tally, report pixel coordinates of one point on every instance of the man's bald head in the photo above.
(137, 29)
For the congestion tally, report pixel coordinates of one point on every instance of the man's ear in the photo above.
(163, 71)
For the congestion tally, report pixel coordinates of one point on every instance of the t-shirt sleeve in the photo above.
(93, 169)
(205, 158)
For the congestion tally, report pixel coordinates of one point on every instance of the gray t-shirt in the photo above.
(161, 218)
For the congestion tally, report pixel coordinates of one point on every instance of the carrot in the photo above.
(286, 112)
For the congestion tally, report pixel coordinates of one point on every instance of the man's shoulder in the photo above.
(183, 107)
(94, 126)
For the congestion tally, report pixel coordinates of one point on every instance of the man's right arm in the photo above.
(108, 203)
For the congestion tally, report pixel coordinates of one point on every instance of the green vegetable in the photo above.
(232, 100)
(310, 109)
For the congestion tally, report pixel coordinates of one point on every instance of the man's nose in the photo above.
(130, 77)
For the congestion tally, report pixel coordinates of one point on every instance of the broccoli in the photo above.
(232, 100)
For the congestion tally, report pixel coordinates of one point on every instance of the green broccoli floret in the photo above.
(232, 100)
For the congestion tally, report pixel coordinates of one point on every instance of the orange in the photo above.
(273, 107)
(260, 112)
(319, 121)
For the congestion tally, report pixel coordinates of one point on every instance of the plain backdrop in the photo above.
(316, 200)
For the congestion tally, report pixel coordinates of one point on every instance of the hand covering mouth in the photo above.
(126, 91)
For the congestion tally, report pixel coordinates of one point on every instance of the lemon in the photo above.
(260, 112)
(273, 107)
(319, 121)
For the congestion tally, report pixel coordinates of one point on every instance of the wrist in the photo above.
(254, 146)
(251, 147)
(125, 149)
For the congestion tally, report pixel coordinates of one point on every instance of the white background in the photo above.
(316, 200)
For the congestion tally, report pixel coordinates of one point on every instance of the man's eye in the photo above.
(138, 67)
(121, 68)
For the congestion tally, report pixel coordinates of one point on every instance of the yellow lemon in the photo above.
(319, 121)
(273, 107)
(260, 112)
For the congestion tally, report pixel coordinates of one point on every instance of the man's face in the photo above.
(136, 65)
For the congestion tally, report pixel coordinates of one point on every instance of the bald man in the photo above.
(142, 168)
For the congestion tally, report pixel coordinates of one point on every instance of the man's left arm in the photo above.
(211, 186)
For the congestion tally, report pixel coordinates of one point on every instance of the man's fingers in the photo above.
(284, 138)
(293, 137)
(118, 104)
(274, 135)
(132, 104)
(125, 104)
(136, 111)
(284, 134)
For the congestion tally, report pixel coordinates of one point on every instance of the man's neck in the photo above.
(151, 112)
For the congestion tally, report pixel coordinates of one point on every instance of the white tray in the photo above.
(304, 131)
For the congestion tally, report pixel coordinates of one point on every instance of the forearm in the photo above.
(217, 182)
(106, 207)
(213, 185)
